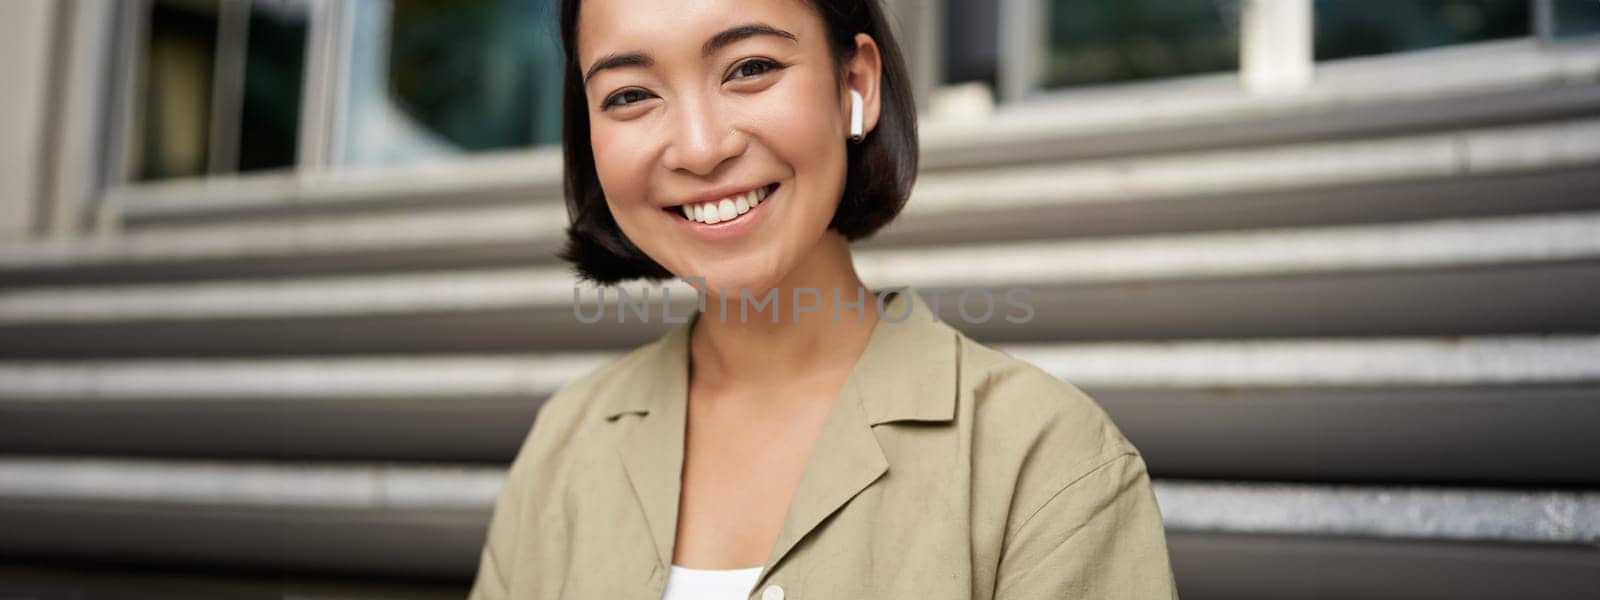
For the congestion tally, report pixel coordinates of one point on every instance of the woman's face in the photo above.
(719, 131)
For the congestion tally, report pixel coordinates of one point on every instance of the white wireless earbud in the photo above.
(857, 116)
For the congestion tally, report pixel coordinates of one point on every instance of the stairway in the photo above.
(1357, 341)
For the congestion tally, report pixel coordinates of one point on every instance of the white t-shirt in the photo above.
(710, 584)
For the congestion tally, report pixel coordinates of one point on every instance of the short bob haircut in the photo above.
(880, 170)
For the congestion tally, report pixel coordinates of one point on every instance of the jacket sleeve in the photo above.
(495, 562)
(1100, 536)
(499, 558)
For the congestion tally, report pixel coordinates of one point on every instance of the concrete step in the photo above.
(1219, 566)
(1102, 125)
(1525, 168)
(410, 240)
(1210, 566)
(1435, 89)
(480, 180)
(1457, 277)
(1547, 145)
(1290, 409)
(37, 580)
(416, 521)
(1369, 511)
(398, 519)
(1318, 362)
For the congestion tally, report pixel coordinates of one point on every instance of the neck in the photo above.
(735, 352)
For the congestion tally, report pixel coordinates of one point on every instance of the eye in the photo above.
(754, 67)
(625, 97)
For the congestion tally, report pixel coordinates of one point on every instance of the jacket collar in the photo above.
(906, 373)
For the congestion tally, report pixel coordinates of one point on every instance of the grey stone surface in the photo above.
(1388, 512)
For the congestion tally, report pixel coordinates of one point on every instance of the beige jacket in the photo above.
(945, 469)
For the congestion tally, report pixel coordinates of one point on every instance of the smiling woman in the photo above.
(834, 451)
(760, 99)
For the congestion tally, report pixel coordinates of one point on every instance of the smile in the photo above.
(726, 209)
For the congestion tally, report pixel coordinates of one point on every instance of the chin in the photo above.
(757, 276)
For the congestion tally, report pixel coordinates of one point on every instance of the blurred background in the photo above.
(278, 303)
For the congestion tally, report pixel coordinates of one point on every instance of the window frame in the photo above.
(318, 176)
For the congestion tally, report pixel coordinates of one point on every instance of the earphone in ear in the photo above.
(857, 117)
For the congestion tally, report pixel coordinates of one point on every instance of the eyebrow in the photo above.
(739, 32)
(717, 42)
(617, 61)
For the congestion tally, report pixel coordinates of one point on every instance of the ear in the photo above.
(863, 73)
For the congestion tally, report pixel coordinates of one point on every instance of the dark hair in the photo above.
(879, 170)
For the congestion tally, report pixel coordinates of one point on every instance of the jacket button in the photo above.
(772, 592)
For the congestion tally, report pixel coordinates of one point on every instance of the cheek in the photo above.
(799, 127)
(801, 114)
(623, 164)
(620, 166)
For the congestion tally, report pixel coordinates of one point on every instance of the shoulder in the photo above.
(1018, 395)
(1042, 431)
(584, 395)
(570, 416)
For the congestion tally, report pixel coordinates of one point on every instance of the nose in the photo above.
(701, 139)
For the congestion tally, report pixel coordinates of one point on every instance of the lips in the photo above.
(724, 209)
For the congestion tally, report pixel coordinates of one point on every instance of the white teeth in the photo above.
(725, 209)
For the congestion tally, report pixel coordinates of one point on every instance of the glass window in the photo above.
(1574, 18)
(221, 87)
(1102, 41)
(274, 75)
(1349, 28)
(971, 48)
(179, 59)
(445, 77)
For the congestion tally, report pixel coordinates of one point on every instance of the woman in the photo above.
(858, 450)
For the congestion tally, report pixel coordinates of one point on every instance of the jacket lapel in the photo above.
(906, 373)
(652, 451)
(846, 460)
